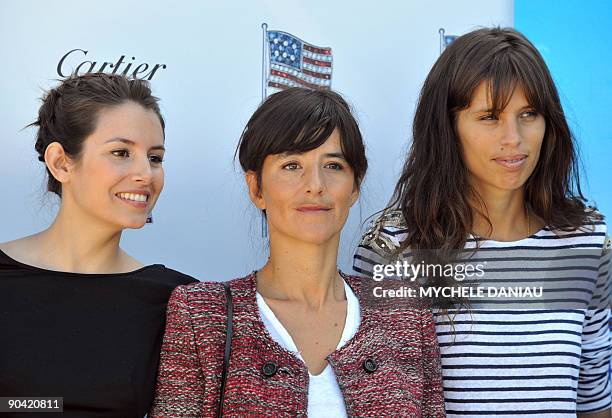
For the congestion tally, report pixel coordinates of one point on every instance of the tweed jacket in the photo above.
(391, 367)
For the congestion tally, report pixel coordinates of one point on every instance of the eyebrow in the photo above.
(488, 110)
(335, 155)
(130, 142)
(328, 155)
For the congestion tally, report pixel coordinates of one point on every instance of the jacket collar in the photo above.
(366, 325)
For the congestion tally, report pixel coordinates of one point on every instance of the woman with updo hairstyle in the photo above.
(297, 338)
(79, 317)
(491, 181)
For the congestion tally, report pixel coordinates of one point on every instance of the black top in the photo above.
(93, 339)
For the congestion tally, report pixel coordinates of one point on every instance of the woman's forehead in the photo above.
(490, 95)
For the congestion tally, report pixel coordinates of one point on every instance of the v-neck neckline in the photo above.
(349, 324)
(364, 325)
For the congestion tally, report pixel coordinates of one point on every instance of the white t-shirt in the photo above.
(324, 396)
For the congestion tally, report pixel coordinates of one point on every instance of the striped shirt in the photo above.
(552, 361)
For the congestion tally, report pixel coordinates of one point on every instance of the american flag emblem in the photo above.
(295, 63)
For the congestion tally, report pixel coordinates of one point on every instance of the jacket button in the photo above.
(269, 369)
(369, 365)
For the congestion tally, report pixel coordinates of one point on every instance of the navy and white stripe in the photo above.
(524, 362)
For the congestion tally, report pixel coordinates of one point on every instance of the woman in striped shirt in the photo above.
(492, 173)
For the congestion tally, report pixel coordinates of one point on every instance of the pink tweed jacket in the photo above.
(391, 367)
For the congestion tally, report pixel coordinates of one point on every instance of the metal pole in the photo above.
(264, 27)
(441, 32)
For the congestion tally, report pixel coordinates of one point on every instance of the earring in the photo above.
(149, 219)
(264, 224)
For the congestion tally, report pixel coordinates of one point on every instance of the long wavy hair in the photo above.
(433, 191)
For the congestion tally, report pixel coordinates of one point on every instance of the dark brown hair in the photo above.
(300, 120)
(433, 192)
(69, 113)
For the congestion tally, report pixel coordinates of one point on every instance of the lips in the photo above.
(512, 162)
(313, 209)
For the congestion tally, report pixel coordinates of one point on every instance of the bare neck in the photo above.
(75, 242)
(302, 272)
(507, 212)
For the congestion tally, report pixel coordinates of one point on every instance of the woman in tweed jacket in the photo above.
(304, 160)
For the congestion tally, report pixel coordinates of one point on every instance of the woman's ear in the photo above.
(58, 162)
(254, 189)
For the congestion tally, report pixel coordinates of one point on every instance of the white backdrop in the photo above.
(204, 223)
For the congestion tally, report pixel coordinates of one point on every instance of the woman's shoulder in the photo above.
(18, 249)
(205, 293)
(595, 219)
(592, 231)
(596, 227)
(170, 276)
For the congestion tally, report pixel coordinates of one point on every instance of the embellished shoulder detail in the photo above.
(386, 233)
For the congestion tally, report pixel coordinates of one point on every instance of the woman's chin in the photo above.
(133, 223)
(315, 237)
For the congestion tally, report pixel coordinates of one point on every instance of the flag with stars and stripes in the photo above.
(295, 63)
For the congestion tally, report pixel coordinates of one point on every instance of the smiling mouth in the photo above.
(133, 197)
(136, 200)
